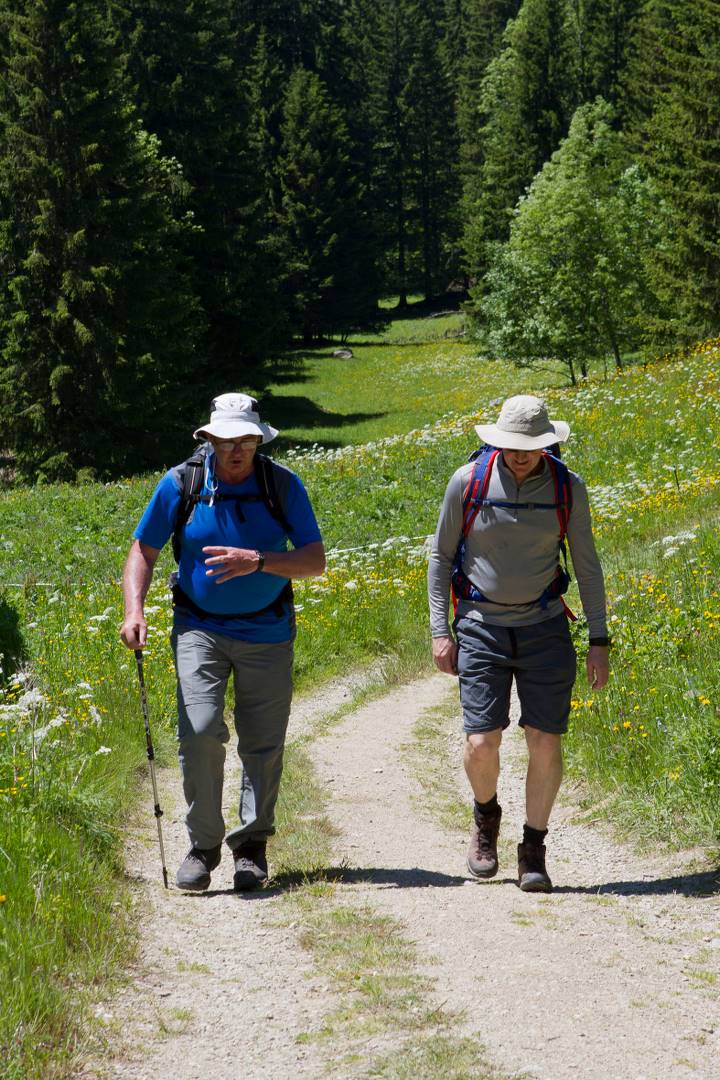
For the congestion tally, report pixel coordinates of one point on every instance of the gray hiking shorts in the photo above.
(540, 657)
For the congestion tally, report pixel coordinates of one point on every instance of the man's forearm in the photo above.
(137, 577)
(308, 561)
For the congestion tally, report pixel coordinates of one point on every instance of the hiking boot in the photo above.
(194, 872)
(482, 860)
(532, 875)
(251, 867)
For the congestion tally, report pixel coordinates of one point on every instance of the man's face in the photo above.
(236, 455)
(523, 463)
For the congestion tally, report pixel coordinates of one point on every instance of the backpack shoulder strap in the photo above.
(272, 488)
(563, 492)
(477, 485)
(190, 475)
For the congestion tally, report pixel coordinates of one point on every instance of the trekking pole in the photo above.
(151, 758)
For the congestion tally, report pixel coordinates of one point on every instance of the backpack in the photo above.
(474, 497)
(191, 475)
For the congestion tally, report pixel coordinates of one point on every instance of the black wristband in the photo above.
(261, 561)
(604, 641)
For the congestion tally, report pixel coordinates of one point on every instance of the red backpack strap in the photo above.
(476, 488)
(563, 493)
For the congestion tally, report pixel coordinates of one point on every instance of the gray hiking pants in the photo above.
(262, 676)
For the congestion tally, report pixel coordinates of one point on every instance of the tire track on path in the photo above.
(616, 973)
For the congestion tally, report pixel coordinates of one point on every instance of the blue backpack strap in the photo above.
(476, 487)
(191, 475)
(473, 496)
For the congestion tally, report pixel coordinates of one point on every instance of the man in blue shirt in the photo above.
(233, 613)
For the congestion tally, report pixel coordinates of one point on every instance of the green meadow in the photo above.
(375, 438)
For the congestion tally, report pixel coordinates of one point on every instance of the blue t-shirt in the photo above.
(222, 525)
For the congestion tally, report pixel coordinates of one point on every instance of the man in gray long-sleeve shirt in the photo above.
(505, 519)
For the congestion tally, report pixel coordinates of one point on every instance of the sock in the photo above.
(483, 809)
(533, 836)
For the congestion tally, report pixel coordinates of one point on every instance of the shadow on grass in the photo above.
(12, 643)
(298, 411)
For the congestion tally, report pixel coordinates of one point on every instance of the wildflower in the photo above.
(103, 750)
(3, 899)
(30, 698)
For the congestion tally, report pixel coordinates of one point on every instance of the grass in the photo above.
(646, 443)
(399, 381)
(434, 756)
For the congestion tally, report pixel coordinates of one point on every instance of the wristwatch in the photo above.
(261, 560)
(604, 641)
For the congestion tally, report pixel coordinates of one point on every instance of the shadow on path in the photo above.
(691, 885)
(706, 884)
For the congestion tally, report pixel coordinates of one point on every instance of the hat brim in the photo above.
(511, 440)
(235, 429)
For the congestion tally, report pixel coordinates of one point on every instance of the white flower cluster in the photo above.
(672, 544)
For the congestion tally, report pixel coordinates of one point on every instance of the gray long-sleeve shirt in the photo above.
(512, 554)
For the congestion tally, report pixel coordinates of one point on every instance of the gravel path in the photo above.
(219, 991)
(616, 974)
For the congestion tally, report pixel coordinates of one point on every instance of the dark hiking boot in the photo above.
(482, 860)
(532, 875)
(251, 867)
(195, 869)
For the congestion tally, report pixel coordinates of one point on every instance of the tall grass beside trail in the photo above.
(71, 752)
(71, 738)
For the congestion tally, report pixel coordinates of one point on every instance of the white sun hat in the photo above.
(235, 415)
(524, 424)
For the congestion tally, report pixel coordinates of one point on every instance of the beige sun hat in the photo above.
(524, 424)
(234, 415)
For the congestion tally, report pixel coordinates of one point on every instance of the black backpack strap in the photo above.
(191, 475)
(265, 475)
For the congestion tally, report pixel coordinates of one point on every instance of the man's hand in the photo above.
(597, 666)
(229, 562)
(134, 631)
(445, 654)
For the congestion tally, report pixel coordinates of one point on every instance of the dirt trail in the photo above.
(219, 990)
(616, 974)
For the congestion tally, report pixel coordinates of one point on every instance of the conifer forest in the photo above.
(189, 188)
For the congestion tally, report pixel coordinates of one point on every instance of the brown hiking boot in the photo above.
(482, 860)
(532, 875)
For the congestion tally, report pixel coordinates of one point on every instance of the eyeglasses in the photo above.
(226, 445)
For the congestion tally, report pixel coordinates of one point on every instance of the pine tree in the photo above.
(476, 39)
(320, 219)
(321, 37)
(432, 145)
(97, 319)
(675, 87)
(602, 31)
(190, 62)
(387, 57)
(526, 100)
